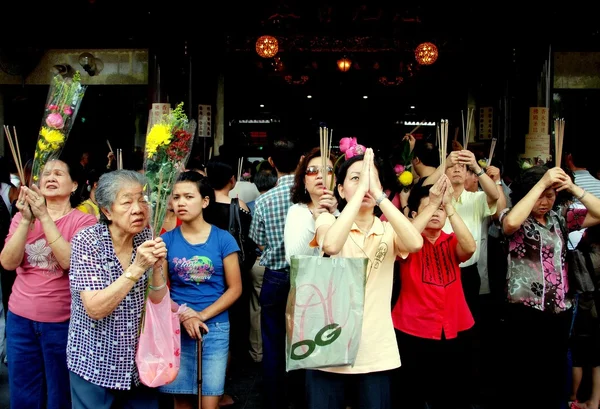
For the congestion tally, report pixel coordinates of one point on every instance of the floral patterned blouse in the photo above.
(537, 271)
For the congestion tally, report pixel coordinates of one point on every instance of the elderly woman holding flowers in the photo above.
(109, 265)
(38, 248)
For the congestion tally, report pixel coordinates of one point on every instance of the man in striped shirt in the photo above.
(577, 161)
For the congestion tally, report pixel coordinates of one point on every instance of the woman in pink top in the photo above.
(38, 248)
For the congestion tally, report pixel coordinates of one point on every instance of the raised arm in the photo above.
(521, 211)
(451, 160)
(467, 158)
(494, 173)
(14, 249)
(436, 194)
(101, 303)
(466, 243)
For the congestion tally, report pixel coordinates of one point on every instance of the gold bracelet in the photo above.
(52, 242)
(450, 215)
(581, 197)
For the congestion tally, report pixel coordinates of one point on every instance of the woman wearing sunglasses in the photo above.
(311, 197)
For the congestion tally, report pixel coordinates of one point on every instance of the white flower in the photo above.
(40, 255)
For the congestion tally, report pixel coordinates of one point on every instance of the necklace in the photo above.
(362, 247)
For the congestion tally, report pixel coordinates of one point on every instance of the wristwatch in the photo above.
(129, 276)
(381, 198)
(481, 172)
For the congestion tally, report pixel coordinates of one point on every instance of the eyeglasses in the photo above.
(315, 170)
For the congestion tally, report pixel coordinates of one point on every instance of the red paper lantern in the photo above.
(426, 53)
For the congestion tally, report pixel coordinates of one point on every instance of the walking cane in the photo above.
(199, 352)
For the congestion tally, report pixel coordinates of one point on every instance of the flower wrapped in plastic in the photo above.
(168, 147)
(62, 104)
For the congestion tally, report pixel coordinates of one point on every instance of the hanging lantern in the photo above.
(426, 53)
(344, 64)
(267, 46)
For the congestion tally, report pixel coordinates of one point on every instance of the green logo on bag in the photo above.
(327, 335)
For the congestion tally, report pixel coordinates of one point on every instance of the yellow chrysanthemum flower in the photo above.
(53, 136)
(405, 178)
(160, 134)
(42, 146)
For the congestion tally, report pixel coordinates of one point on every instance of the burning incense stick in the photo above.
(16, 153)
(109, 147)
(239, 168)
(416, 127)
(443, 142)
(467, 130)
(325, 137)
(489, 160)
(559, 133)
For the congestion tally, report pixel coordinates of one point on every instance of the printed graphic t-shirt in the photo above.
(196, 270)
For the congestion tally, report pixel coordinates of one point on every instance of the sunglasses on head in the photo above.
(315, 170)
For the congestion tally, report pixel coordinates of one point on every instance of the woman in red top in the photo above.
(431, 309)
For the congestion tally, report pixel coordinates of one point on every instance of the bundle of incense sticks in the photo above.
(492, 147)
(559, 134)
(16, 152)
(442, 133)
(239, 168)
(325, 137)
(416, 127)
(119, 159)
(469, 128)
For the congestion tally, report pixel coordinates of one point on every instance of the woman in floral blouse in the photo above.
(539, 311)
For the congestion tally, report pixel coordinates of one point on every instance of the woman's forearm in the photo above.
(337, 234)
(463, 234)
(591, 202)
(409, 236)
(14, 249)
(158, 288)
(521, 210)
(423, 217)
(101, 303)
(223, 303)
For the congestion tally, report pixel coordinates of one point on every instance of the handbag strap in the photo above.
(234, 220)
(232, 212)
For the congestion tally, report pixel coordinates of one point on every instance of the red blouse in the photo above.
(431, 297)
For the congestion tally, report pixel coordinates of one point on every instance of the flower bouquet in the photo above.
(62, 104)
(168, 147)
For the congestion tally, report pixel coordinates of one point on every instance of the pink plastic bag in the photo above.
(159, 350)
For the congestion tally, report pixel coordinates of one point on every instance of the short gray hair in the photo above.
(109, 186)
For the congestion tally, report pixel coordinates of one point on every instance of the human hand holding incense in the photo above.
(23, 205)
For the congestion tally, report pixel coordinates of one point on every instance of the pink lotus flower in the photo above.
(52, 107)
(355, 150)
(68, 111)
(398, 169)
(346, 143)
(55, 121)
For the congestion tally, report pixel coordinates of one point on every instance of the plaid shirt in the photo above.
(268, 223)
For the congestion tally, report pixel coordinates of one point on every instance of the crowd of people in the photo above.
(471, 296)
